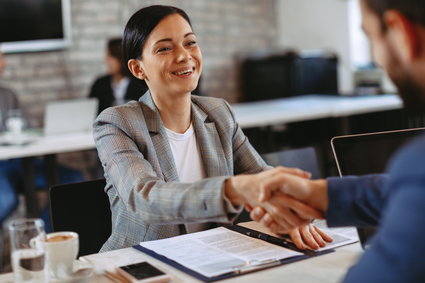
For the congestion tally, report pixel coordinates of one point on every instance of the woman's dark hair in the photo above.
(141, 24)
(414, 10)
(114, 47)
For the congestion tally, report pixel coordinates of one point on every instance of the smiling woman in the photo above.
(171, 157)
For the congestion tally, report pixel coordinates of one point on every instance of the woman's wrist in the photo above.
(231, 192)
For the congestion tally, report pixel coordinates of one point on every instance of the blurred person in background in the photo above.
(118, 86)
(11, 170)
(8, 195)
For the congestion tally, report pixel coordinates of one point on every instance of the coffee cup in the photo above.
(61, 251)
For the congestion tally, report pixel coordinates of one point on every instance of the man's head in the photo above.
(396, 29)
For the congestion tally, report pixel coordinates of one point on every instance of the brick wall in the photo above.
(226, 29)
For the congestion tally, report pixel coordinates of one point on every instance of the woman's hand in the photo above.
(304, 237)
(309, 237)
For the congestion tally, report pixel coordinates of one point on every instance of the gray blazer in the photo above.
(147, 200)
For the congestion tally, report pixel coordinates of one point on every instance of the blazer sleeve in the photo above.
(138, 185)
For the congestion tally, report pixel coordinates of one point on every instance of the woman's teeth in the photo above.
(185, 72)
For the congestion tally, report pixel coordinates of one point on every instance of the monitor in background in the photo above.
(368, 154)
(36, 25)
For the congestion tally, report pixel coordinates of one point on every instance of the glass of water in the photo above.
(27, 252)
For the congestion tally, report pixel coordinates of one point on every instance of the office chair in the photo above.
(304, 158)
(83, 208)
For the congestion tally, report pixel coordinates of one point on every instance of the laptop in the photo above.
(368, 154)
(70, 116)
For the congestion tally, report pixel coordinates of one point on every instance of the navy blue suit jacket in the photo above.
(394, 201)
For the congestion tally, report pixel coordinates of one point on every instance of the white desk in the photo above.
(325, 268)
(48, 147)
(310, 107)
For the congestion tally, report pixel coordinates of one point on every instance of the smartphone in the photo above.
(143, 272)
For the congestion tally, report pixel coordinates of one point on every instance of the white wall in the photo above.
(317, 24)
(327, 24)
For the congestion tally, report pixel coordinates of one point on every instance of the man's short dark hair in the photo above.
(414, 10)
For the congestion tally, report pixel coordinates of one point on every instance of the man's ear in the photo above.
(402, 33)
(136, 68)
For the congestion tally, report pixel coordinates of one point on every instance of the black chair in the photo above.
(83, 208)
(304, 158)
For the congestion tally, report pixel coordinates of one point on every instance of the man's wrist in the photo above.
(319, 197)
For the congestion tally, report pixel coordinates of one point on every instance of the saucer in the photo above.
(82, 272)
(22, 139)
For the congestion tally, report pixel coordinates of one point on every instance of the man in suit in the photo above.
(395, 201)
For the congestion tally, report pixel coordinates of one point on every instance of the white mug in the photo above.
(61, 251)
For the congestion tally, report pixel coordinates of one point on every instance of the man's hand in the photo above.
(288, 212)
(277, 205)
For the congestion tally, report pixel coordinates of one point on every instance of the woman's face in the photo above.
(172, 61)
(113, 64)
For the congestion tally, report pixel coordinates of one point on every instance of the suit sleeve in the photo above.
(139, 187)
(356, 200)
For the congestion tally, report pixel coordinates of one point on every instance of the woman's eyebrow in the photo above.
(169, 39)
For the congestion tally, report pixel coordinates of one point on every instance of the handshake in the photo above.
(281, 199)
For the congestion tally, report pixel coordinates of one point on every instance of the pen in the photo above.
(255, 266)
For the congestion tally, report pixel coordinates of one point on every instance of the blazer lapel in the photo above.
(159, 138)
(209, 144)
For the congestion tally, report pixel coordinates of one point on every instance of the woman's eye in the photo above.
(163, 49)
(191, 43)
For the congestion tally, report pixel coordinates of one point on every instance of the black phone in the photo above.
(143, 272)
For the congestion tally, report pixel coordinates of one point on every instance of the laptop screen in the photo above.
(369, 153)
(70, 116)
(366, 154)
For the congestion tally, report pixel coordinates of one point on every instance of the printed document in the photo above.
(218, 251)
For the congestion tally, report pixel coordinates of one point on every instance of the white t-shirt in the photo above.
(188, 162)
(119, 89)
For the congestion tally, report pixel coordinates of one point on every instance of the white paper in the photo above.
(218, 251)
(340, 236)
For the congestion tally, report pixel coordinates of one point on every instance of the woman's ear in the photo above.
(136, 68)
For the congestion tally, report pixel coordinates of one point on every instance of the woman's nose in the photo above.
(183, 55)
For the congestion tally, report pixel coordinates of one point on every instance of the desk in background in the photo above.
(312, 120)
(310, 107)
(47, 147)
